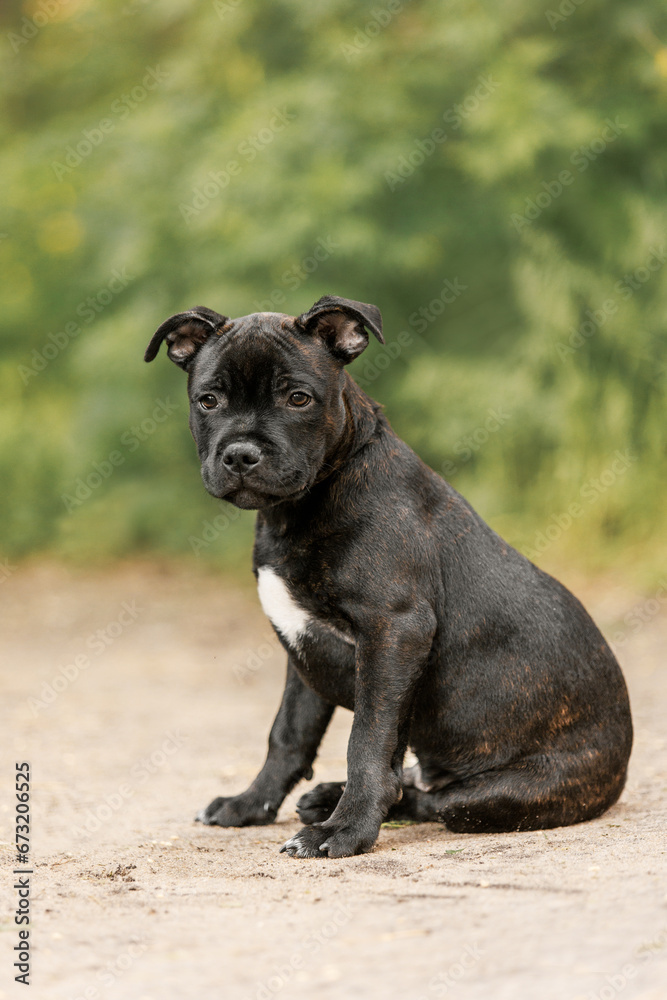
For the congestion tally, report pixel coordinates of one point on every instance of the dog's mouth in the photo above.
(248, 495)
(250, 499)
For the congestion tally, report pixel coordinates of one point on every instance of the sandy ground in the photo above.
(132, 900)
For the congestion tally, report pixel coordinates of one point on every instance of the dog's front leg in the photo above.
(391, 655)
(293, 741)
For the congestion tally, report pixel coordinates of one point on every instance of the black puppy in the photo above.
(393, 598)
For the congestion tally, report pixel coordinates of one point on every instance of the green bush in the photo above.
(492, 177)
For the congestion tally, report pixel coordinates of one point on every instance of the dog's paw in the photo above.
(306, 843)
(323, 842)
(318, 804)
(237, 810)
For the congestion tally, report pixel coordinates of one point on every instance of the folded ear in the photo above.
(185, 333)
(342, 325)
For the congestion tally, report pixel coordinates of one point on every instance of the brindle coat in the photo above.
(394, 599)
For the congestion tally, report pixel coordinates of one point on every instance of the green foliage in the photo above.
(516, 152)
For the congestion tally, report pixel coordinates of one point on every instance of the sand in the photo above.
(140, 693)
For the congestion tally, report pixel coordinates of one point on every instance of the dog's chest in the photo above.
(297, 625)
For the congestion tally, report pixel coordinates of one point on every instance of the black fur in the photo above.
(438, 634)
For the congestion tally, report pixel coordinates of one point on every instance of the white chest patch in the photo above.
(280, 607)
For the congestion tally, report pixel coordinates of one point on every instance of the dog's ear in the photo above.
(342, 325)
(185, 333)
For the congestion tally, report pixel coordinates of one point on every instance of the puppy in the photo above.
(393, 598)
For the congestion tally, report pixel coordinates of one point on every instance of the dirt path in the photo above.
(169, 705)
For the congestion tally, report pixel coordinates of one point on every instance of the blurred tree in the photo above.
(494, 179)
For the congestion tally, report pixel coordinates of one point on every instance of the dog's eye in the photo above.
(299, 399)
(208, 401)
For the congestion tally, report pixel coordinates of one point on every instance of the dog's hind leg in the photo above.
(536, 793)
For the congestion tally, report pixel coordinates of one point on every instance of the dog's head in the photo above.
(266, 405)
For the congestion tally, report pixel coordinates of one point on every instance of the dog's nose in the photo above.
(241, 456)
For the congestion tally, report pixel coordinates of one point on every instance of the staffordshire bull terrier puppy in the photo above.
(393, 598)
